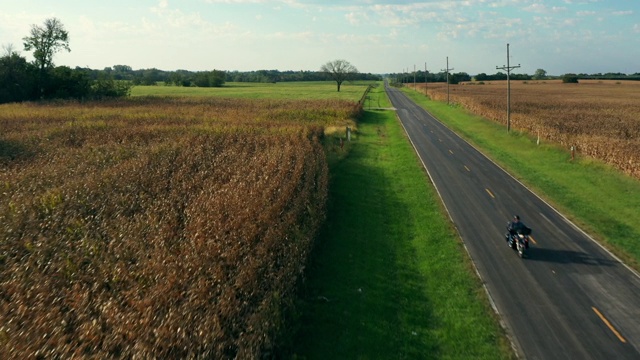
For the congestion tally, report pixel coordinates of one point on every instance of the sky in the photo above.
(376, 36)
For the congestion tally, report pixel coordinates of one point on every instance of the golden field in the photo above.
(601, 118)
(157, 227)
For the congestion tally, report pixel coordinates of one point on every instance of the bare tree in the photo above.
(8, 49)
(339, 70)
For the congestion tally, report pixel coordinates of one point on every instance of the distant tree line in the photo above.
(454, 78)
(21, 80)
(191, 78)
(540, 74)
(41, 79)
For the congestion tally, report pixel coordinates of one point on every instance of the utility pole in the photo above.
(447, 70)
(425, 78)
(508, 69)
(414, 77)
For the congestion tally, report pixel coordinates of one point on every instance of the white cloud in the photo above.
(580, 2)
(236, 1)
(280, 35)
(540, 8)
(157, 33)
(352, 18)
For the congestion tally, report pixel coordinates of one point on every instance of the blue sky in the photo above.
(377, 36)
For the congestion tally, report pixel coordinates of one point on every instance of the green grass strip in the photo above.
(389, 277)
(597, 197)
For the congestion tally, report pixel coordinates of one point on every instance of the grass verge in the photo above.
(598, 198)
(389, 278)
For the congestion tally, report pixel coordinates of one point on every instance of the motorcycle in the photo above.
(519, 241)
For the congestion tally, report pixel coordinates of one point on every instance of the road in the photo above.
(569, 298)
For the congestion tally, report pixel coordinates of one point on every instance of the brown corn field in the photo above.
(600, 118)
(157, 228)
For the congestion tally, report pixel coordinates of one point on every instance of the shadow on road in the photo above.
(567, 257)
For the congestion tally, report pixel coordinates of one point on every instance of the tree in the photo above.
(46, 41)
(339, 70)
(570, 78)
(458, 77)
(16, 77)
(67, 83)
(481, 77)
(540, 74)
(105, 86)
(213, 78)
(498, 76)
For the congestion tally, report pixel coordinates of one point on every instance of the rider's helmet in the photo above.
(516, 217)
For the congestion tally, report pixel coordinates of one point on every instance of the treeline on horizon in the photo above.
(155, 76)
(23, 81)
(540, 74)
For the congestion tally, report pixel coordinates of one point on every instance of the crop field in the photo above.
(600, 118)
(121, 222)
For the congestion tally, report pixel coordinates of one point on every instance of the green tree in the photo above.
(67, 83)
(122, 72)
(339, 70)
(16, 77)
(481, 77)
(458, 77)
(213, 78)
(46, 41)
(570, 78)
(151, 77)
(540, 74)
(106, 86)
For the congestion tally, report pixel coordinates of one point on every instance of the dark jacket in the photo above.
(519, 227)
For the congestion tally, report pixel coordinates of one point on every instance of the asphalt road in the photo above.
(569, 298)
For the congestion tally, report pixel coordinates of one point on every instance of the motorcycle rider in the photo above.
(516, 226)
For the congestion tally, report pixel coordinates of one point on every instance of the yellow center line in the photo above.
(609, 325)
(466, 168)
(450, 152)
(532, 239)
(490, 193)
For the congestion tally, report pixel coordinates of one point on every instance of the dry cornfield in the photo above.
(600, 118)
(157, 228)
